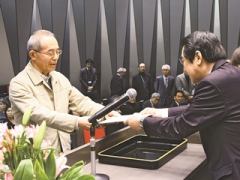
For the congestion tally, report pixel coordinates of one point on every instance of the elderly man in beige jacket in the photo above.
(49, 93)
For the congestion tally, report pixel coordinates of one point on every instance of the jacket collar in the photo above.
(34, 74)
(218, 64)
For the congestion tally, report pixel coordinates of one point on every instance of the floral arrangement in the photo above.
(21, 156)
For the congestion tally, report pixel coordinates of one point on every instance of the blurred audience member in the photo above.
(153, 102)
(118, 83)
(130, 107)
(88, 80)
(179, 99)
(235, 59)
(184, 84)
(3, 107)
(164, 85)
(142, 83)
(10, 117)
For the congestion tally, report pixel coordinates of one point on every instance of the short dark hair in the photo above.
(89, 60)
(179, 91)
(207, 43)
(235, 59)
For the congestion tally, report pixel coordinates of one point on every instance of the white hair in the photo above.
(34, 41)
(166, 66)
(121, 69)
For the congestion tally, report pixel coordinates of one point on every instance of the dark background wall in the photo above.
(114, 33)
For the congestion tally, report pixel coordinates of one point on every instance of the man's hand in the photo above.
(134, 121)
(112, 114)
(155, 112)
(83, 123)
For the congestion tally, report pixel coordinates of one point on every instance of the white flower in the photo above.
(30, 131)
(17, 131)
(61, 164)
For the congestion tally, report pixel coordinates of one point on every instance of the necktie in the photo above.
(166, 82)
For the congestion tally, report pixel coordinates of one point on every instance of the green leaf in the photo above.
(26, 116)
(24, 170)
(50, 165)
(38, 138)
(39, 171)
(77, 167)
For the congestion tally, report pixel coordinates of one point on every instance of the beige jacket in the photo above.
(28, 89)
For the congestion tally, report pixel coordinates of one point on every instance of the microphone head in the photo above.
(131, 93)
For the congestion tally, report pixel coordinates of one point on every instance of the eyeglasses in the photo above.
(51, 52)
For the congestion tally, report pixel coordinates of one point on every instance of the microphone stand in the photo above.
(93, 154)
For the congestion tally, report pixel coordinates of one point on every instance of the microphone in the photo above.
(130, 94)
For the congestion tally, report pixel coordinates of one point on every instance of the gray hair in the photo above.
(121, 69)
(166, 66)
(155, 95)
(34, 41)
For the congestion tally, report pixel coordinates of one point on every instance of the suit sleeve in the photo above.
(207, 108)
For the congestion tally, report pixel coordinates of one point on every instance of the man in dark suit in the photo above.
(88, 80)
(184, 84)
(142, 82)
(118, 83)
(214, 111)
(153, 102)
(179, 99)
(165, 86)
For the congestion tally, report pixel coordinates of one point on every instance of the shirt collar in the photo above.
(35, 75)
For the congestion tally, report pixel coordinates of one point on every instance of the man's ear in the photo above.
(198, 57)
(32, 54)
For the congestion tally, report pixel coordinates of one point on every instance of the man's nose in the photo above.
(55, 56)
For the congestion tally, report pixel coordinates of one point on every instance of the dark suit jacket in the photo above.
(130, 108)
(88, 78)
(175, 104)
(143, 85)
(117, 85)
(166, 94)
(148, 103)
(215, 112)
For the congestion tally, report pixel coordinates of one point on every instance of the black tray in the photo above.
(142, 152)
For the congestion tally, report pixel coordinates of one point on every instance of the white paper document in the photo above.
(118, 119)
(115, 119)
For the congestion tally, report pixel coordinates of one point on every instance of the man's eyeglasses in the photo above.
(51, 52)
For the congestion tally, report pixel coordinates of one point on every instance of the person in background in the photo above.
(214, 110)
(142, 83)
(8, 112)
(153, 102)
(88, 80)
(179, 99)
(130, 107)
(183, 83)
(165, 86)
(118, 83)
(3, 107)
(235, 59)
(49, 93)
